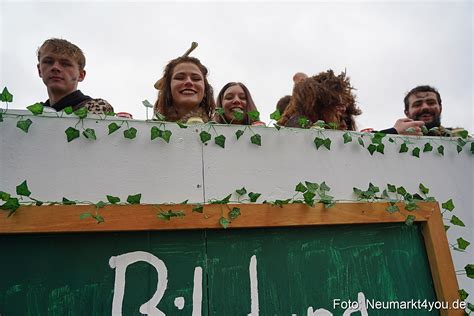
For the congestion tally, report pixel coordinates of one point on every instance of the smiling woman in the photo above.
(185, 92)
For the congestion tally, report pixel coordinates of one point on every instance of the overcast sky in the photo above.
(387, 48)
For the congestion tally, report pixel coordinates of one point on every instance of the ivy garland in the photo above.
(308, 193)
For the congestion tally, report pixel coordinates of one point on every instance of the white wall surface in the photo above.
(88, 170)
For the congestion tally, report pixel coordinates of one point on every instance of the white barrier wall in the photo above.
(187, 169)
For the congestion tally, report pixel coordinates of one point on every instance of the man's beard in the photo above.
(436, 122)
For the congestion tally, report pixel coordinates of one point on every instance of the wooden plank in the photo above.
(65, 218)
(441, 263)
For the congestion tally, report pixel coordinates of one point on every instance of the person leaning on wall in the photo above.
(235, 98)
(61, 67)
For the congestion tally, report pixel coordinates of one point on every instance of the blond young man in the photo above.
(61, 66)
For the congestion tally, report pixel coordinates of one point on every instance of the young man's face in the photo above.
(60, 73)
(424, 106)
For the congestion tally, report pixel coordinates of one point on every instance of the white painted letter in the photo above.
(120, 264)
(318, 312)
(197, 292)
(254, 308)
(360, 306)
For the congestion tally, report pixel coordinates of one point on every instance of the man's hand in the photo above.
(406, 126)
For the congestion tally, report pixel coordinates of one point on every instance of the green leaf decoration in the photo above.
(327, 143)
(410, 220)
(392, 208)
(462, 243)
(6, 96)
(446, 227)
(333, 125)
(441, 150)
(11, 204)
(220, 111)
(85, 215)
(463, 294)
(4, 196)
(160, 117)
(377, 138)
(223, 201)
(134, 199)
(416, 152)
(276, 115)
(423, 189)
(24, 125)
(22, 189)
(181, 125)
(277, 126)
(100, 204)
(463, 134)
(155, 132)
(254, 196)
(371, 148)
(36, 108)
(461, 142)
(1, 116)
(323, 187)
(403, 148)
(472, 148)
(89, 133)
(242, 191)
(147, 104)
(401, 191)
(448, 205)
(220, 141)
(424, 130)
(380, 148)
(238, 114)
(469, 270)
(113, 127)
(322, 142)
(198, 208)
(254, 115)
(391, 188)
(427, 148)
(71, 134)
(68, 110)
(168, 215)
(312, 187)
(390, 139)
(457, 221)
(360, 141)
(411, 206)
(130, 133)
(184, 202)
(224, 222)
(470, 306)
(347, 137)
(81, 113)
(309, 198)
(98, 218)
(239, 133)
(458, 148)
(166, 135)
(256, 139)
(205, 136)
(301, 188)
(319, 123)
(303, 122)
(113, 199)
(68, 202)
(234, 213)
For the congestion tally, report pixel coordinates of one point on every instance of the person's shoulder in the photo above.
(97, 106)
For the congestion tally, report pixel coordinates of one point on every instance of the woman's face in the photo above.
(187, 86)
(234, 99)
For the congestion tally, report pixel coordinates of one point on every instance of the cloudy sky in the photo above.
(386, 47)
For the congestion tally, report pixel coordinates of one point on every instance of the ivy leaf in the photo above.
(463, 134)
(254, 196)
(198, 208)
(168, 215)
(220, 141)
(6, 96)
(469, 270)
(276, 115)
(100, 204)
(327, 143)
(390, 139)
(89, 133)
(303, 122)
(347, 137)
(401, 191)
(22, 189)
(234, 213)
(391, 188)
(84, 216)
(4, 196)
(71, 134)
(458, 148)
(98, 218)
(147, 104)
(463, 294)
(130, 133)
(320, 124)
(277, 126)
(205, 136)
(81, 113)
(361, 141)
(441, 150)
(184, 202)
(427, 148)
(239, 133)
(377, 139)
(220, 111)
(1, 116)
(166, 135)
(223, 201)
(392, 208)
(242, 191)
(68, 110)
(68, 202)
(322, 142)
(371, 148)
(113, 199)
(312, 187)
(324, 187)
(113, 127)
(462, 244)
(238, 114)
(448, 205)
(411, 206)
(24, 125)
(457, 221)
(256, 139)
(403, 148)
(423, 189)
(472, 148)
(155, 132)
(11, 204)
(461, 142)
(160, 117)
(309, 198)
(380, 148)
(254, 115)
(301, 188)
(424, 130)
(416, 152)
(410, 220)
(36, 108)
(224, 222)
(446, 227)
(181, 125)
(134, 199)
